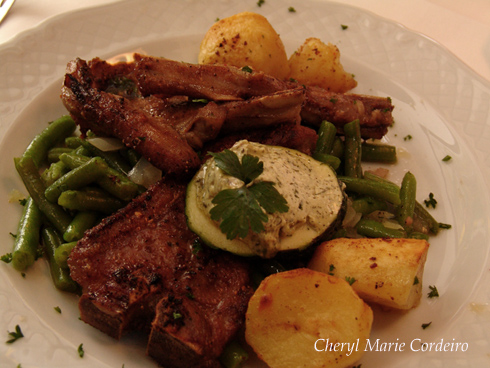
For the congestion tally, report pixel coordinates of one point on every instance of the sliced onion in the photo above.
(106, 144)
(144, 173)
(351, 217)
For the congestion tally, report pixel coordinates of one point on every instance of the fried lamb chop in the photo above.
(171, 109)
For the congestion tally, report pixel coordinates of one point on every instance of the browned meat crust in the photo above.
(144, 262)
(160, 76)
(373, 113)
(110, 115)
(216, 82)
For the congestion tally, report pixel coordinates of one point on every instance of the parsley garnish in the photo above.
(344, 27)
(416, 280)
(431, 202)
(15, 335)
(57, 309)
(350, 280)
(446, 158)
(291, 9)
(425, 325)
(407, 137)
(177, 315)
(247, 69)
(7, 258)
(242, 209)
(444, 226)
(433, 292)
(260, 3)
(80, 350)
(331, 269)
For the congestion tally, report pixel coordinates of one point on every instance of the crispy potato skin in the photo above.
(318, 64)
(245, 39)
(294, 314)
(388, 272)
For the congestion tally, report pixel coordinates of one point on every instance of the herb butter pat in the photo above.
(311, 189)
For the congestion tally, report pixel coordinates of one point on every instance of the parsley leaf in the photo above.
(80, 351)
(433, 292)
(242, 209)
(15, 335)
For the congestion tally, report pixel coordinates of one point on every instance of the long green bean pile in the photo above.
(72, 185)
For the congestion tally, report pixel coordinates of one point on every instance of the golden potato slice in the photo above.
(318, 64)
(388, 272)
(304, 318)
(245, 39)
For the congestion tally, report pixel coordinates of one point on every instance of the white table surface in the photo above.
(463, 27)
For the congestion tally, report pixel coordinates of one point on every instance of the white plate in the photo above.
(440, 102)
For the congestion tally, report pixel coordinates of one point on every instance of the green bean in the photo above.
(55, 152)
(82, 221)
(376, 189)
(353, 153)
(418, 235)
(83, 175)
(61, 276)
(112, 181)
(423, 220)
(55, 171)
(233, 355)
(338, 148)
(29, 173)
(89, 199)
(404, 211)
(366, 205)
(328, 159)
(378, 153)
(62, 252)
(375, 229)
(54, 133)
(27, 239)
(131, 156)
(113, 159)
(326, 137)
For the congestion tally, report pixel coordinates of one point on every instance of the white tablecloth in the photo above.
(463, 27)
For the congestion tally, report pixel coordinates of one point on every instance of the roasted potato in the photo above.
(245, 39)
(386, 271)
(299, 318)
(318, 64)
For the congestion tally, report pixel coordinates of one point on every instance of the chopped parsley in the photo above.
(344, 27)
(407, 137)
(57, 309)
(15, 335)
(247, 69)
(350, 280)
(245, 208)
(177, 315)
(433, 292)
(447, 158)
(260, 3)
(200, 100)
(444, 226)
(80, 351)
(431, 202)
(7, 258)
(416, 280)
(331, 269)
(425, 325)
(291, 9)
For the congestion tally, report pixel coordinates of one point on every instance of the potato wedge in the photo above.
(318, 64)
(245, 39)
(301, 318)
(388, 272)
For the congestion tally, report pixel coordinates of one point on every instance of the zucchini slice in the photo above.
(315, 198)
